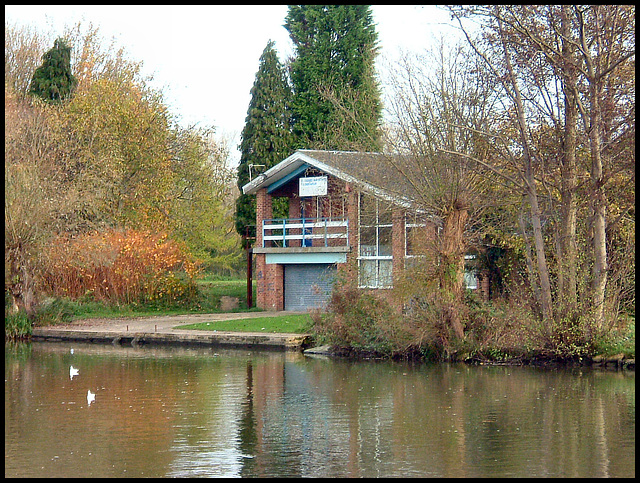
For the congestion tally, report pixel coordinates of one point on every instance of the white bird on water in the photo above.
(73, 372)
(90, 397)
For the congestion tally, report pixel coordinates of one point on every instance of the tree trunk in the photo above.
(452, 265)
(599, 281)
(21, 285)
(529, 180)
(567, 273)
(531, 268)
(595, 79)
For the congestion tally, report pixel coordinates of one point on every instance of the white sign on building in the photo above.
(314, 186)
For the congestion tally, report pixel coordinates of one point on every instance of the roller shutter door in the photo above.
(307, 286)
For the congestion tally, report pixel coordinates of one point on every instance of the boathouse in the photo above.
(346, 209)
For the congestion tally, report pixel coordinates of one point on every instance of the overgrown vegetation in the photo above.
(120, 267)
(502, 330)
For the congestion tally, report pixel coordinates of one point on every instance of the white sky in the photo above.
(205, 58)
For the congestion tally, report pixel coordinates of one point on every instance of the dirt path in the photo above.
(160, 323)
(161, 329)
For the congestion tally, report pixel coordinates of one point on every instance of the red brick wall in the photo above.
(397, 242)
(484, 285)
(269, 285)
(263, 211)
(266, 276)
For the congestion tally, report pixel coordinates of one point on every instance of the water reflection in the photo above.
(201, 412)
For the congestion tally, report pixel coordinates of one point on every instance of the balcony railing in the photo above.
(305, 232)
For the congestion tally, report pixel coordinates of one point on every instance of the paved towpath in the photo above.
(161, 330)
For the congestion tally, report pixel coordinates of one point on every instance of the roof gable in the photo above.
(371, 172)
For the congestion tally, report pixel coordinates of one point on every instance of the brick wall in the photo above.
(484, 284)
(266, 276)
(269, 285)
(397, 242)
(263, 211)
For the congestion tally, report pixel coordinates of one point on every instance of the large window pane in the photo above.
(368, 241)
(375, 241)
(384, 241)
(384, 273)
(367, 210)
(367, 273)
(384, 214)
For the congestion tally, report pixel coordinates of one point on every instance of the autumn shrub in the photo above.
(168, 290)
(411, 322)
(428, 310)
(120, 267)
(355, 319)
(501, 329)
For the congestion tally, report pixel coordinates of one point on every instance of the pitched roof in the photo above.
(376, 173)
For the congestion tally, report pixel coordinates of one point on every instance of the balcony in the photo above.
(305, 233)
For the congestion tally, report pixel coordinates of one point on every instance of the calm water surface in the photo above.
(177, 412)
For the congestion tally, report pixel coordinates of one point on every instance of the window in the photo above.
(470, 275)
(374, 250)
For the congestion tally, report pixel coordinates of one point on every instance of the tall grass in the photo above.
(16, 326)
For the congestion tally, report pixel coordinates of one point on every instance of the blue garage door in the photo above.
(307, 286)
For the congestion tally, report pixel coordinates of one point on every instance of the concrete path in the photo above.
(161, 330)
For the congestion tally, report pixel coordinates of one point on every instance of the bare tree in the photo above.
(586, 50)
(23, 49)
(438, 105)
(31, 193)
(605, 41)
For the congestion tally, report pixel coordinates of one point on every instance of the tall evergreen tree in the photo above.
(266, 137)
(53, 81)
(336, 102)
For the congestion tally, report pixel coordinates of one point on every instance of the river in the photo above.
(83, 410)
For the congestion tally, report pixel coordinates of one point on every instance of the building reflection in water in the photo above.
(179, 412)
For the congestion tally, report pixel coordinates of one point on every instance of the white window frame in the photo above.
(380, 266)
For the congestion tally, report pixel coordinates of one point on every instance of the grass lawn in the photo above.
(210, 292)
(289, 324)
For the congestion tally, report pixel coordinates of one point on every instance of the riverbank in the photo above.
(166, 330)
(614, 362)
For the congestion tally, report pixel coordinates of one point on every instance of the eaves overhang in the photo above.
(299, 159)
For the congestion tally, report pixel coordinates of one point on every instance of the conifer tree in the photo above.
(266, 137)
(336, 103)
(53, 81)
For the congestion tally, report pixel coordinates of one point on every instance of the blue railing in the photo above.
(282, 232)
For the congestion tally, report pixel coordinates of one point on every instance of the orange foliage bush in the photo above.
(119, 266)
